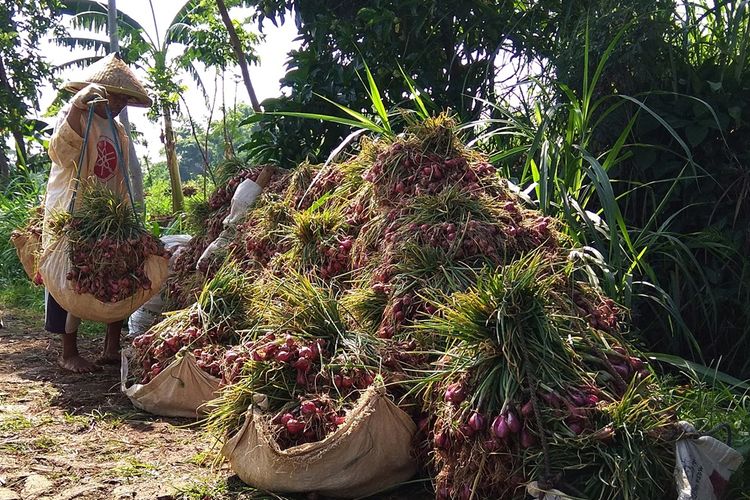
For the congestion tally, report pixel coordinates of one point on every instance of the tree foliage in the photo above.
(23, 69)
(461, 54)
(194, 34)
(218, 140)
(682, 181)
(449, 48)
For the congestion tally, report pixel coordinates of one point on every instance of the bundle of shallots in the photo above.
(102, 264)
(28, 243)
(108, 246)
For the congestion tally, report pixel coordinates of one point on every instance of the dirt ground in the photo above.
(65, 436)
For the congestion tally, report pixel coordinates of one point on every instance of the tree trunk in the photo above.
(241, 60)
(4, 166)
(134, 167)
(174, 170)
(17, 135)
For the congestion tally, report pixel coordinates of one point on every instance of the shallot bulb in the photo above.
(500, 427)
(455, 393)
(476, 422)
(514, 423)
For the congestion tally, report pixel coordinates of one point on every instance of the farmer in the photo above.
(108, 81)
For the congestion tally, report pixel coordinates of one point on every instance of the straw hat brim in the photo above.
(113, 74)
(135, 98)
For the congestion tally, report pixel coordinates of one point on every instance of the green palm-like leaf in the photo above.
(193, 72)
(74, 43)
(91, 15)
(190, 7)
(179, 33)
(79, 63)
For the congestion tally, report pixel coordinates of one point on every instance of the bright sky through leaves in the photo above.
(272, 53)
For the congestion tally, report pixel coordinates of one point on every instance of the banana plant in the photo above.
(165, 57)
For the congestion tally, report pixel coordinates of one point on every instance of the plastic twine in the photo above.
(120, 163)
(80, 158)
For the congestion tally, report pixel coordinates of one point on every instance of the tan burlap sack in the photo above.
(370, 452)
(28, 247)
(54, 265)
(180, 390)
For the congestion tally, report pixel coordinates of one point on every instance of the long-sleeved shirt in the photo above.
(99, 162)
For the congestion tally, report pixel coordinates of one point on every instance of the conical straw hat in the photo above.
(114, 75)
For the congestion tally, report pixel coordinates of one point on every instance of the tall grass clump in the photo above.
(647, 262)
(19, 197)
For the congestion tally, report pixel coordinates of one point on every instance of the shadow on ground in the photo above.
(30, 353)
(65, 436)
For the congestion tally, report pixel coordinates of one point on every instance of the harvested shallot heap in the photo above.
(205, 328)
(108, 246)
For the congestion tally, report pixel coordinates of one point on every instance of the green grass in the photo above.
(211, 488)
(45, 444)
(132, 467)
(90, 330)
(14, 423)
(27, 303)
(204, 458)
(22, 294)
(80, 422)
(14, 447)
(17, 200)
(111, 419)
(203, 488)
(97, 417)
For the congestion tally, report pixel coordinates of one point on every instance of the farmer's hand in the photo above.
(87, 94)
(265, 176)
(244, 197)
(217, 247)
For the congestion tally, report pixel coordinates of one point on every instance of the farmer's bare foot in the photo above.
(111, 351)
(77, 364)
(108, 358)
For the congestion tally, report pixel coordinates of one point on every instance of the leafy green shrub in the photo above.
(687, 186)
(18, 198)
(158, 198)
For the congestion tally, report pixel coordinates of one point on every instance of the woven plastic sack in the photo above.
(28, 247)
(54, 265)
(244, 197)
(175, 242)
(370, 452)
(145, 317)
(703, 466)
(150, 313)
(180, 390)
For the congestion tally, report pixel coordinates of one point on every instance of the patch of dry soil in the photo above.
(65, 436)
(69, 436)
